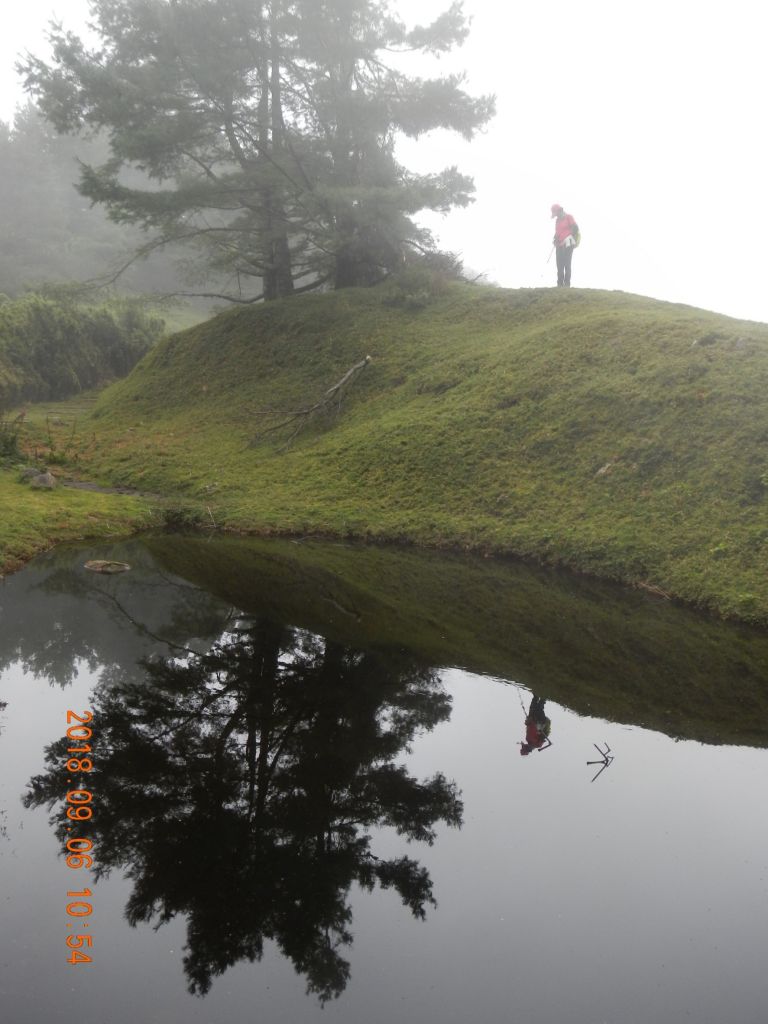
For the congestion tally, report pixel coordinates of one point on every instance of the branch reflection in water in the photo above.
(240, 788)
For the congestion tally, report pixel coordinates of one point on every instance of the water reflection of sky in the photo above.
(641, 897)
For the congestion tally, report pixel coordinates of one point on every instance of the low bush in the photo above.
(52, 349)
(9, 440)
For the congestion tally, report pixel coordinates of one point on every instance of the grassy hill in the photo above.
(624, 437)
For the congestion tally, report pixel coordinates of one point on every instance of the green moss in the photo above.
(624, 437)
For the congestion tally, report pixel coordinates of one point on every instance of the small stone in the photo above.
(105, 566)
(44, 480)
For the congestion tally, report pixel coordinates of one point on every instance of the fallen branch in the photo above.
(334, 396)
(653, 589)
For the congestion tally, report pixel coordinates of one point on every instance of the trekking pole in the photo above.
(544, 268)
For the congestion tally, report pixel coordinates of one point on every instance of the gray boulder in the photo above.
(43, 480)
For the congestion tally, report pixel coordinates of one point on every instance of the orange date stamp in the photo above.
(80, 801)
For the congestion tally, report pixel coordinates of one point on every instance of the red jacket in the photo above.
(565, 226)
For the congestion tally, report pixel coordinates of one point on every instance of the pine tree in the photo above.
(263, 134)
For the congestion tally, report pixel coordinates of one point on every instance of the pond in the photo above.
(292, 782)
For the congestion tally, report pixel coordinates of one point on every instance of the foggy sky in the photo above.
(644, 121)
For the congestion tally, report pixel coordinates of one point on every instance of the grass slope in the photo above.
(33, 520)
(619, 435)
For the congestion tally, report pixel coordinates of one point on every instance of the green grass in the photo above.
(33, 520)
(624, 437)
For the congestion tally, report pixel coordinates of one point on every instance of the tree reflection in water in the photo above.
(240, 788)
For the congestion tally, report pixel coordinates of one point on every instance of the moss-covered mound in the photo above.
(624, 437)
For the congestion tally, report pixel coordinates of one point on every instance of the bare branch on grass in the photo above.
(331, 400)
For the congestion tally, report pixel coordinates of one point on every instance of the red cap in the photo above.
(556, 208)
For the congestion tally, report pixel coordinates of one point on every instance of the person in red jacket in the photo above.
(565, 241)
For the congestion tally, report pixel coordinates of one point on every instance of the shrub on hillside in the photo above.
(51, 349)
(9, 440)
(415, 287)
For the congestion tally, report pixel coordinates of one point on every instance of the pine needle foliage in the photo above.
(262, 134)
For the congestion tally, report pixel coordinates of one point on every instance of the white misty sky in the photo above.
(645, 121)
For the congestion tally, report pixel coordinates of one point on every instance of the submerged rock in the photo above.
(103, 565)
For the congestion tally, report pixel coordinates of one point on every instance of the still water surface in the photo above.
(291, 824)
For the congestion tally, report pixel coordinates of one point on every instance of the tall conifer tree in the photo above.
(263, 133)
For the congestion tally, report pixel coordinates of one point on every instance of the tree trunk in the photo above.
(278, 278)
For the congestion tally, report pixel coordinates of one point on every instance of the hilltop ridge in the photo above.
(621, 436)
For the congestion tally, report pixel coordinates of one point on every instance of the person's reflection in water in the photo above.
(537, 727)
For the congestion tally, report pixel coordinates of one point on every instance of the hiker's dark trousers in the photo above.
(564, 255)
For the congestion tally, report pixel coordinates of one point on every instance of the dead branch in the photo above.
(334, 396)
(653, 589)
